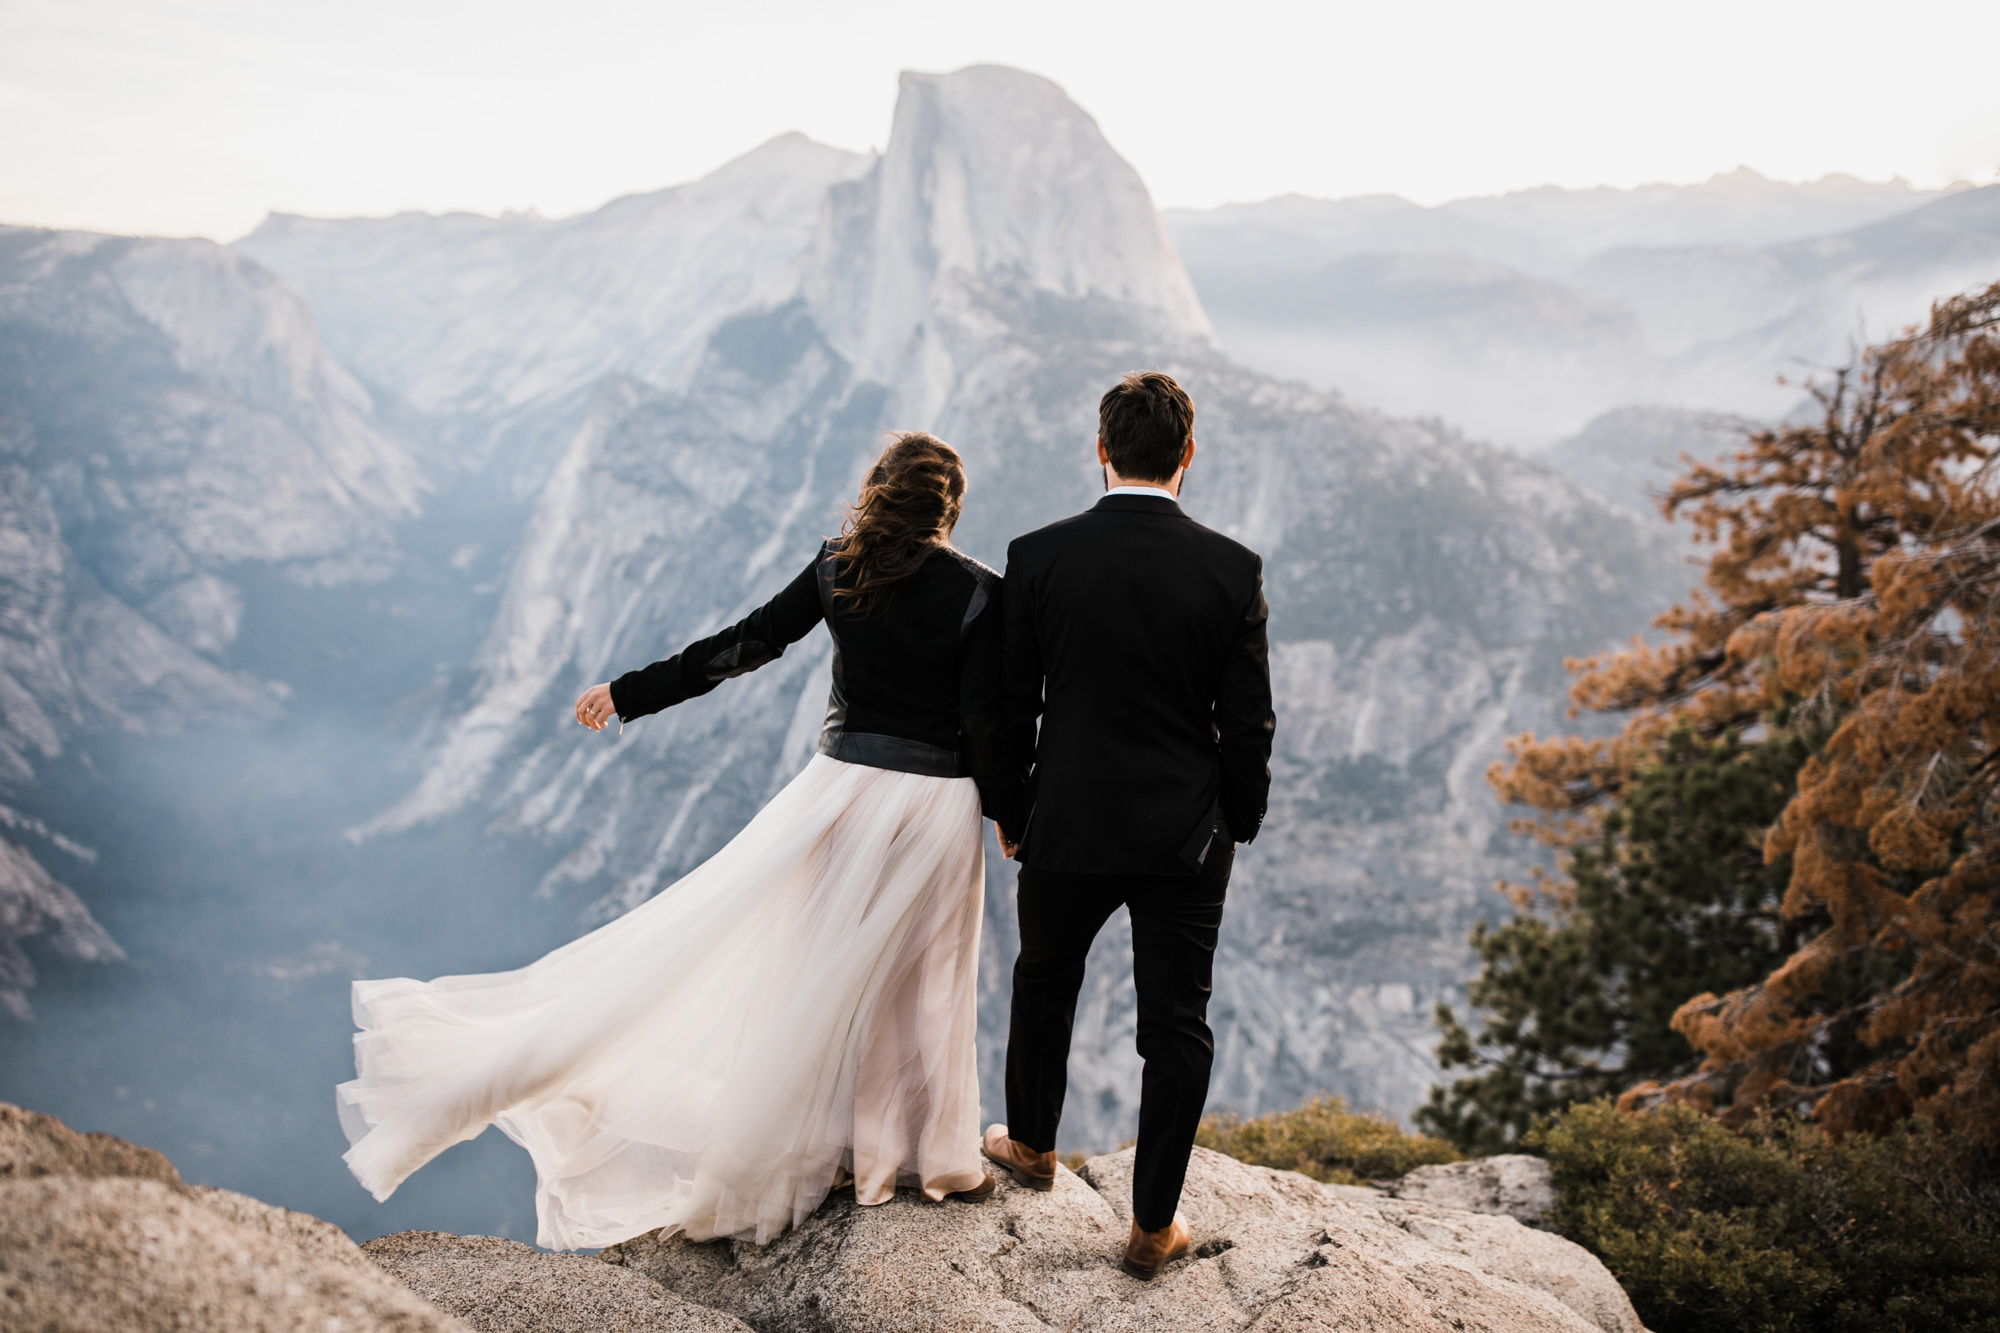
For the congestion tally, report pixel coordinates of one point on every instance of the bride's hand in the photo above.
(1007, 846)
(593, 707)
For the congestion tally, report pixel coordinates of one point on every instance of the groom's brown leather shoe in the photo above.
(1150, 1251)
(1036, 1170)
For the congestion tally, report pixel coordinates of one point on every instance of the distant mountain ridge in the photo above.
(483, 319)
(1547, 230)
(1522, 316)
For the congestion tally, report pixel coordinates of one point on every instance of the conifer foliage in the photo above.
(1894, 835)
(1669, 895)
(1787, 855)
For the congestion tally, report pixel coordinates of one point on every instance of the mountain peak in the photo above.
(1005, 174)
(993, 179)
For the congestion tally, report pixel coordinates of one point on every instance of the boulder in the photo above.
(322, 1241)
(1274, 1251)
(1510, 1185)
(33, 1144)
(97, 1233)
(83, 1256)
(1539, 1259)
(503, 1286)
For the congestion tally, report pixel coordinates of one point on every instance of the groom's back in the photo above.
(1138, 636)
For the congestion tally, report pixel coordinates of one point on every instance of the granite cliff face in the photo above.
(1273, 1251)
(33, 903)
(168, 422)
(167, 417)
(475, 318)
(986, 278)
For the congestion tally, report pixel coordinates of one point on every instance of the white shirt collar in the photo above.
(1160, 491)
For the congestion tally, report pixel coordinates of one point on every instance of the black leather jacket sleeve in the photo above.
(758, 638)
(982, 723)
(1244, 721)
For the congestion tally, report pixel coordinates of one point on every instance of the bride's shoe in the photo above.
(1036, 1170)
(979, 1193)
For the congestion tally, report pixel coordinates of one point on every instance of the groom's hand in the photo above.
(1008, 847)
(593, 707)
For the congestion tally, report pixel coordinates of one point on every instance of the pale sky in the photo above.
(199, 116)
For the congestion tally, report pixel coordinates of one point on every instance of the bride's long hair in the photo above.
(906, 510)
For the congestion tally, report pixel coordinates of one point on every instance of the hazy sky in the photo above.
(198, 116)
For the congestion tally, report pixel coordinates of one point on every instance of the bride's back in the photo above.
(903, 668)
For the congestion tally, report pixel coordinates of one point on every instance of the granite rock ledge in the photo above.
(97, 1233)
(1274, 1251)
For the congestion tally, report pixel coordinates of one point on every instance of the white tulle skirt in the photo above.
(799, 1008)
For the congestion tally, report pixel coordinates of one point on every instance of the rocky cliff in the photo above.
(168, 420)
(467, 317)
(96, 1233)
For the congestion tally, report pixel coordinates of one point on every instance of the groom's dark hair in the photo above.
(1144, 423)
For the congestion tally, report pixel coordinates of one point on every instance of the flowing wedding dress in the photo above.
(798, 1008)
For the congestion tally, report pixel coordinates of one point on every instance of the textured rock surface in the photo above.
(323, 1242)
(1499, 1245)
(92, 1255)
(503, 1286)
(1274, 1251)
(34, 1145)
(99, 1234)
(1511, 1185)
(1539, 1259)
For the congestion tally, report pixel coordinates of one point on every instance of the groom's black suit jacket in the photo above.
(1136, 637)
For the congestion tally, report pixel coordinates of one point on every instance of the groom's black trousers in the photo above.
(1175, 920)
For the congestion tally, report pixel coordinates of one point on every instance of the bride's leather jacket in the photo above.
(916, 684)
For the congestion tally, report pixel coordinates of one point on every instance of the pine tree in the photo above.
(1846, 619)
(1670, 893)
(1894, 836)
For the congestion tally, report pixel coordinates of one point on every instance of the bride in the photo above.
(799, 1010)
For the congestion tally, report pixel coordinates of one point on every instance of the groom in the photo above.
(1136, 636)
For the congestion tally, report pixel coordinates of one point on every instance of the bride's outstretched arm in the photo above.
(759, 638)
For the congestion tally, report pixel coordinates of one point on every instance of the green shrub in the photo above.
(1324, 1140)
(1781, 1227)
